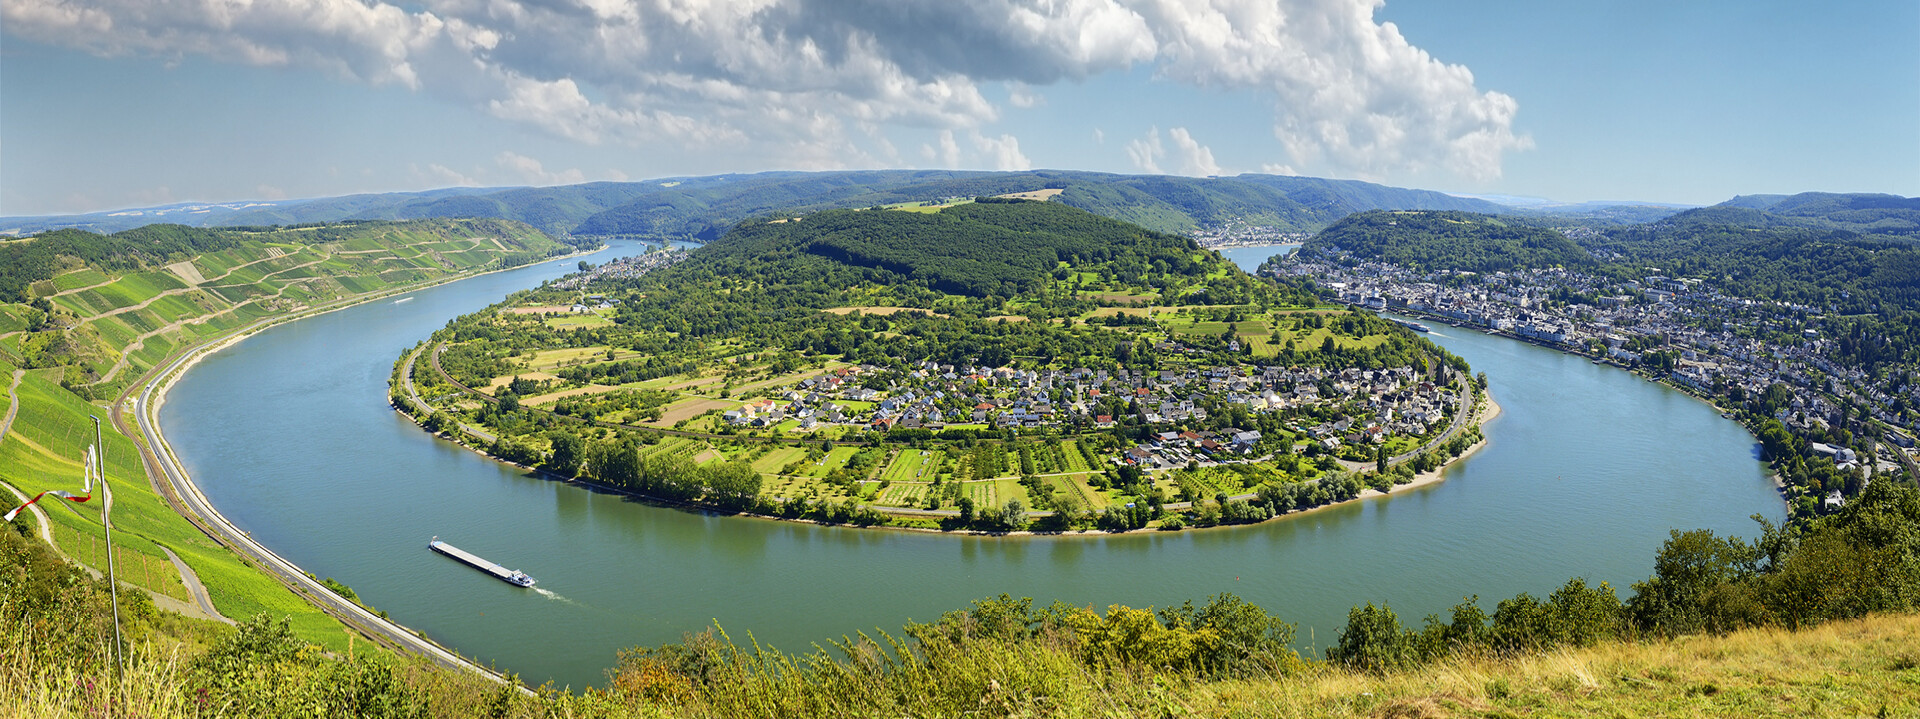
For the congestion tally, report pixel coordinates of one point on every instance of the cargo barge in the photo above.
(510, 576)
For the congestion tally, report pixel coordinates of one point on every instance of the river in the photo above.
(290, 435)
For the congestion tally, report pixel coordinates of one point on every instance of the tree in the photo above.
(1698, 584)
(569, 451)
(1372, 641)
(585, 265)
(1014, 515)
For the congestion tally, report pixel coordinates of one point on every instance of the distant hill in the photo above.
(1865, 213)
(1449, 241)
(705, 207)
(976, 249)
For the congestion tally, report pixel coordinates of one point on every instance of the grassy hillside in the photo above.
(95, 312)
(105, 308)
(1856, 654)
(43, 451)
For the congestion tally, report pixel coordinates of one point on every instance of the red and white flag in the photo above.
(92, 468)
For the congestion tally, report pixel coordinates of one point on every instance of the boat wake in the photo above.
(403, 299)
(550, 594)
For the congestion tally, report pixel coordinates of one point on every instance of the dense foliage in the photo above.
(1450, 241)
(1862, 560)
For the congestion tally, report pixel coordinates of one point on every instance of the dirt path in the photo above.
(140, 342)
(197, 288)
(195, 589)
(6, 426)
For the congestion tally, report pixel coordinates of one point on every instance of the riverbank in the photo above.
(1486, 408)
(187, 499)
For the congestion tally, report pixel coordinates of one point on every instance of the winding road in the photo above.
(196, 507)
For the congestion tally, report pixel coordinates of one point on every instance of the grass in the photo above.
(41, 452)
(579, 321)
(1844, 669)
(907, 465)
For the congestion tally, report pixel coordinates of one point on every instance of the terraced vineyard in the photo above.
(97, 312)
(105, 326)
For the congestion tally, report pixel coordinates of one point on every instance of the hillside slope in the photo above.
(1449, 241)
(105, 308)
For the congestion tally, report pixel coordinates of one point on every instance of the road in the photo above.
(191, 503)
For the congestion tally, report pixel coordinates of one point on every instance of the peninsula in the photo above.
(993, 365)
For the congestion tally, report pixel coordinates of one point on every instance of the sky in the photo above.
(107, 104)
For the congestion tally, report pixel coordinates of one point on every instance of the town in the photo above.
(1350, 413)
(1678, 330)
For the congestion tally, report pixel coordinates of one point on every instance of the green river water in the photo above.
(290, 435)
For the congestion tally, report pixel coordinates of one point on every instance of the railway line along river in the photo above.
(289, 433)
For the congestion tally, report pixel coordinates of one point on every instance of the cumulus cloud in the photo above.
(793, 81)
(532, 172)
(1195, 159)
(439, 175)
(1188, 156)
(1003, 152)
(1021, 96)
(1146, 152)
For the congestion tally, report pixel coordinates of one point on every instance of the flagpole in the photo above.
(106, 520)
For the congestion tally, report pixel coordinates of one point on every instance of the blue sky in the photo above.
(118, 103)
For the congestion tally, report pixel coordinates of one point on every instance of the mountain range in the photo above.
(704, 207)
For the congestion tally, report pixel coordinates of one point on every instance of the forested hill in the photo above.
(705, 207)
(978, 249)
(1750, 253)
(1450, 241)
(1867, 214)
(1745, 251)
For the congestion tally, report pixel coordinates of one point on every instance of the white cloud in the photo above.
(1021, 96)
(1099, 138)
(1188, 156)
(1195, 159)
(949, 150)
(1275, 168)
(533, 173)
(1003, 151)
(269, 192)
(1146, 152)
(438, 175)
(615, 175)
(789, 81)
